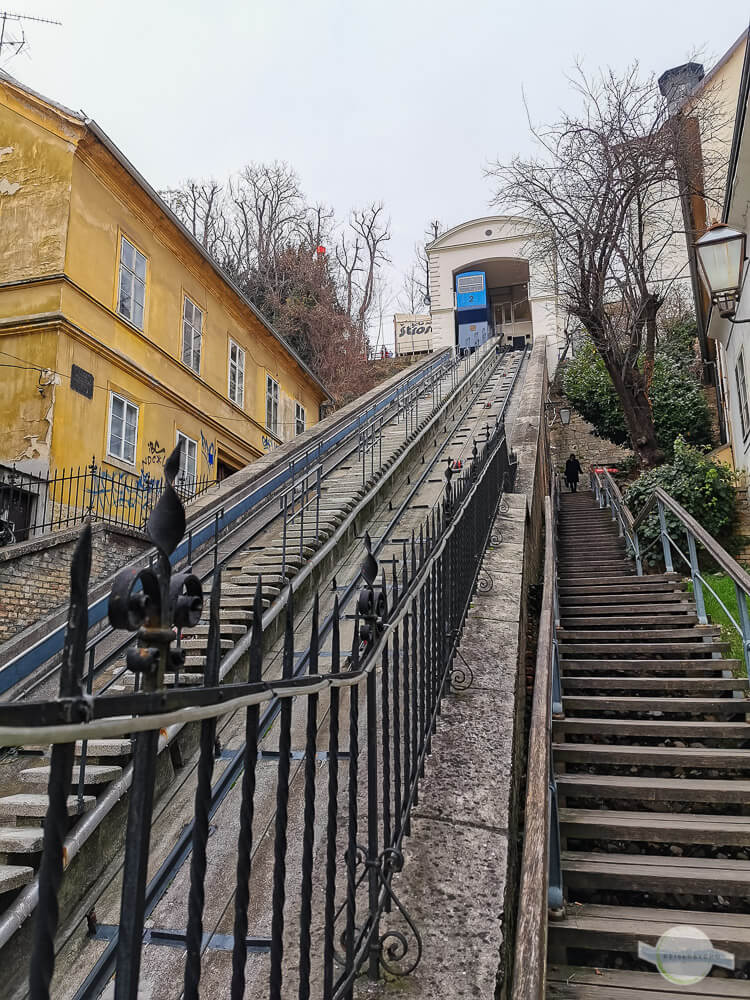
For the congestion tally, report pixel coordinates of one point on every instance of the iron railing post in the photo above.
(555, 899)
(744, 623)
(665, 544)
(700, 604)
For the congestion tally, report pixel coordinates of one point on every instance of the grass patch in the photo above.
(724, 587)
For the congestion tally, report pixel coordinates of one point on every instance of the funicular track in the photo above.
(648, 844)
(400, 511)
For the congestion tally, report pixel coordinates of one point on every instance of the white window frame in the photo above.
(185, 459)
(133, 279)
(272, 404)
(238, 366)
(189, 354)
(741, 381)
(300, 419)
(127, 406)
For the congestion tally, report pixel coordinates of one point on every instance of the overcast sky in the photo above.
(399, 100)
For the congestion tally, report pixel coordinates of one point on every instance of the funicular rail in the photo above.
(406, 628)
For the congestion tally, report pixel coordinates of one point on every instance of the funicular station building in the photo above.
(483, 282)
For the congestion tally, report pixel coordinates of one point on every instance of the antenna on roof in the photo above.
(12, 42)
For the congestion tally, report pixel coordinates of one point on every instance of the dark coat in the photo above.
(572, 470)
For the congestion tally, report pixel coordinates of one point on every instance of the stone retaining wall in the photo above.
(35, 575)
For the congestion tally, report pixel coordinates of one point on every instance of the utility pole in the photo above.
(6, 41)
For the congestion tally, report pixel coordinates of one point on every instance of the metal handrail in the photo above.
(608, 494)
(660, 502)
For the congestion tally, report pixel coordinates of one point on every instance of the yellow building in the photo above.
(119, 335)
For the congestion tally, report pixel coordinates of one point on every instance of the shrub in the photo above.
(704, 488)
(680, 408)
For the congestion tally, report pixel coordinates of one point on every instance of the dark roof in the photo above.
(739, 127)
(125, 163)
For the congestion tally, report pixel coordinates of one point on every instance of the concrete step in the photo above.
(21, 839)
(95, 774)
(31, 806)
(106, 748)
(14, 877)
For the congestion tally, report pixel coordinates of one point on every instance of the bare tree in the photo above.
(603, 200)
(200, 206)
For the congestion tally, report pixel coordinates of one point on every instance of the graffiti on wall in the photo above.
(208, 450)
(156, 455)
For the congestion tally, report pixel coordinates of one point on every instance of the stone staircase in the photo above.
(652, 761)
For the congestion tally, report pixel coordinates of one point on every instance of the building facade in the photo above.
(521, 304)
(119, 336)
(732, 335)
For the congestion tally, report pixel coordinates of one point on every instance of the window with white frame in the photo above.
(131, 291)
(272, 404)
(192, 334)
(122, 433)
(739, 374)
(188, 458)
(236, 374)
(299, 418)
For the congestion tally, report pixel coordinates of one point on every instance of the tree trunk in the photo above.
(639, 418)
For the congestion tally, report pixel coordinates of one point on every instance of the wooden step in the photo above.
(685, 790)
(664, 728)
(656, 873)
(624, 703)
(657, 828)
(573, 622)
(673, 608)
(566, 982)
(691, 684)
(612, 753)
(619, 928)
(666, 649)
(635, 634)
(647, 667)
(620, 603)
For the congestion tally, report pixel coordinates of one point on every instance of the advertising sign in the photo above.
(413, 333)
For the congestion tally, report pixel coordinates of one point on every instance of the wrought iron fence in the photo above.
(32, 505)
(380, 704)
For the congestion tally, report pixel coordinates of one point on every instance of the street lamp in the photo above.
(721, 258)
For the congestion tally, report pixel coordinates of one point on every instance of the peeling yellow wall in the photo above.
(26, 413)
(67, 202)
(35, 177)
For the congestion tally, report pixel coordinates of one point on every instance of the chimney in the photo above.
(678, 83)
